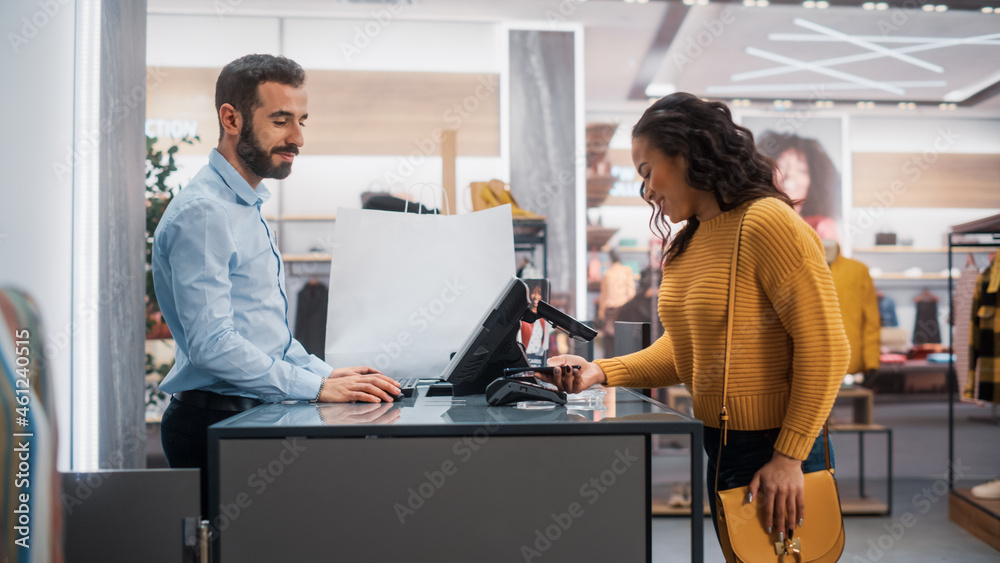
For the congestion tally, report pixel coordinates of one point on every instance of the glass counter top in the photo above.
(595, 411)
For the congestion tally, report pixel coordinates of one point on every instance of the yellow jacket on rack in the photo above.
(859, 311)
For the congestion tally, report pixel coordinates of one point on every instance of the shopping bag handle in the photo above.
(420, 197)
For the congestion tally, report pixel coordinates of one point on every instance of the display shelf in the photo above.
(625, 200)
(598, 188)
(894, 276)
(598, 236)
(530, 235)
(914, 249)
(864, 505)
(979, 517)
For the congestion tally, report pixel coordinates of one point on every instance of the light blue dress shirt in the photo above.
(220, 284)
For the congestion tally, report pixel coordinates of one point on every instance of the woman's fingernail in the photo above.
(769, 529)
(781, 536)
(749, 497)
(800, 522)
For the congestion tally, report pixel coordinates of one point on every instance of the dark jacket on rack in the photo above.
(310, 318)
(984, 343)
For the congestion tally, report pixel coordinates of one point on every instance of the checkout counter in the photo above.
(443, 478)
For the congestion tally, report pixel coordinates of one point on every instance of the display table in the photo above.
(443, 479)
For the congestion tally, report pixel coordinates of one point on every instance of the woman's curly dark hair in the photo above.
(720, 158)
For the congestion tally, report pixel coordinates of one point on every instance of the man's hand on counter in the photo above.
(358, 384)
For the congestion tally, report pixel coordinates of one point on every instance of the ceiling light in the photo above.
(882, 6)
(642, 1)
(868, 5)
(948, 107)
(987, 10)
(762, 3)
(809, 4)
(940, 8)
(688, 2)
(749, 3)
(822, 4)
(928, 8)
(866, 105)
(701, 2)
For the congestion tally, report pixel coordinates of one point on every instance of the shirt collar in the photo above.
(236, 182)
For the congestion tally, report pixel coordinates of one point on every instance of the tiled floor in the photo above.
(920, 459)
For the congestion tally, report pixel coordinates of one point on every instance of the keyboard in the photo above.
(408, 385)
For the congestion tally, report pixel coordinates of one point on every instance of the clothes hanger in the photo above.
(926, 296)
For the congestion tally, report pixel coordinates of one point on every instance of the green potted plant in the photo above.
(160, 164)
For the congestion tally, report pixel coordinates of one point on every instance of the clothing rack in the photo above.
(984, 238)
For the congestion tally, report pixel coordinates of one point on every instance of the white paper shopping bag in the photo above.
(406, 289)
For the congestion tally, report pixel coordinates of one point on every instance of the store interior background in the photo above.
(619, 50)
(621, 43)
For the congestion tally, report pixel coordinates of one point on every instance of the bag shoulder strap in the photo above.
(731, 306)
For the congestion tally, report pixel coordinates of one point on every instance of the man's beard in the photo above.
(258, 160)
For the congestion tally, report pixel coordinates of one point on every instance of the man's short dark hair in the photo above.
(238, 82)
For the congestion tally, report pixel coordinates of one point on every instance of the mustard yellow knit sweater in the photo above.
(789, 350)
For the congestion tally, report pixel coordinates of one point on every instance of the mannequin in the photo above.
(859, 310)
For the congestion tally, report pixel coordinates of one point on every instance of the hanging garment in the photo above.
(310, 318)
(984, 334)
(926, 329)
(965, 288)
(887, 311)
(28, 434)
(859, 311)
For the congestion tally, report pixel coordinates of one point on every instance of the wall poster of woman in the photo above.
(810, 156)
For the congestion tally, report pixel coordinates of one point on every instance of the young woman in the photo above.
(789, 350)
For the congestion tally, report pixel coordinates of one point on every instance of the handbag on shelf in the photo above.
(743, 536)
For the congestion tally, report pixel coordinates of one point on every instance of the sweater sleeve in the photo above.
(871, 324)
(798, 283)
(649, 368)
